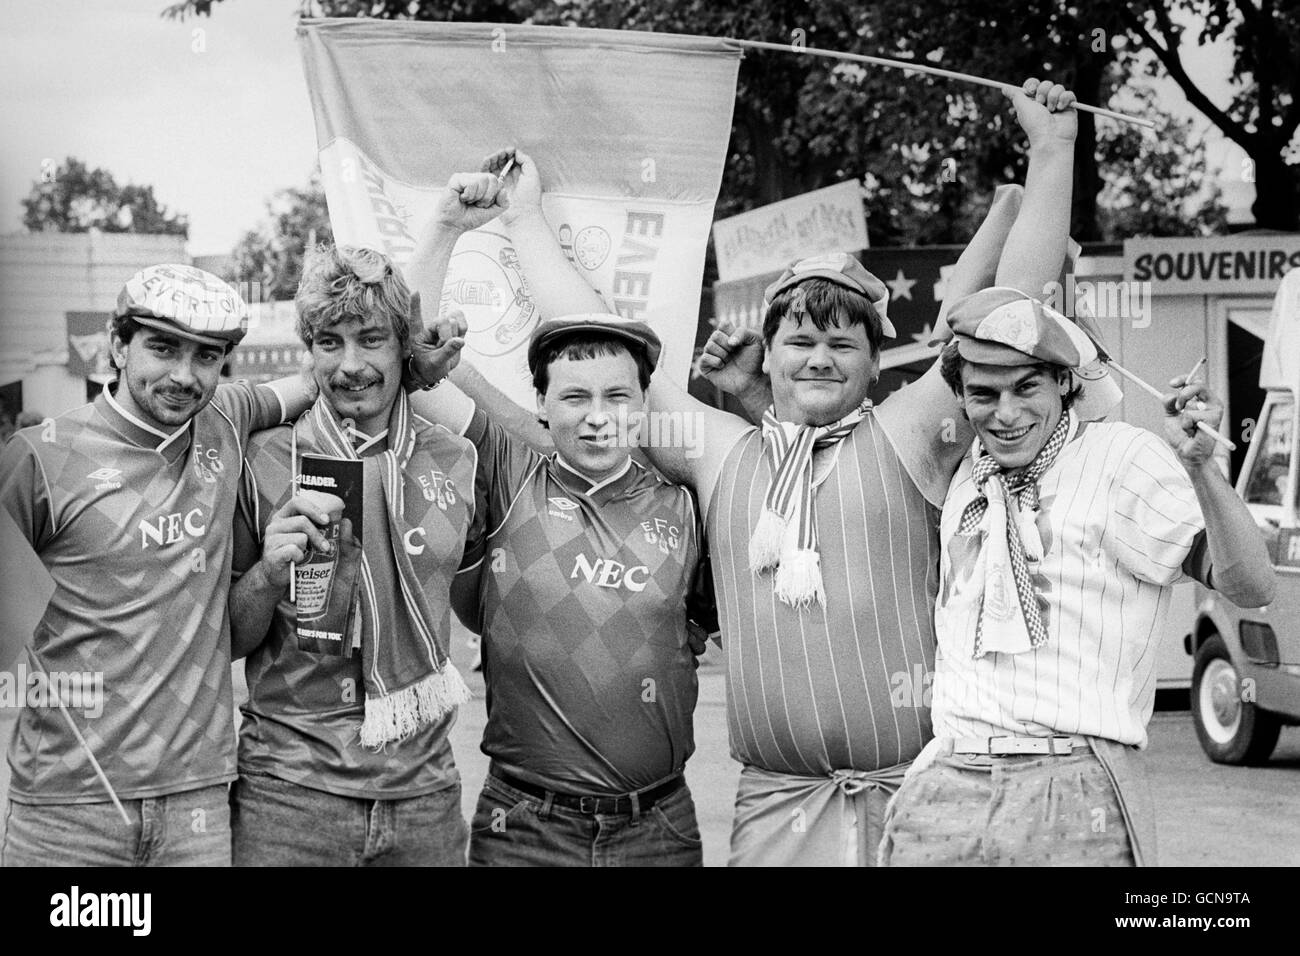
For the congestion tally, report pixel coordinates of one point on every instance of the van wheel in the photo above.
(1231, 730)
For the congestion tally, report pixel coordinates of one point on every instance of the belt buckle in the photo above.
(1061, 745)
(1009, 745)
(589, 805)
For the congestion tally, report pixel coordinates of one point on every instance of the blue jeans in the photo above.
(512, 828)
(191, 828)
(277, 823)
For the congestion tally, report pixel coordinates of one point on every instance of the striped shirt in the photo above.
(591, 681)
(842, 685)
(1118, 517)
(134, 527)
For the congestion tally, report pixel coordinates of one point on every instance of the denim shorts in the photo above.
(978, 810)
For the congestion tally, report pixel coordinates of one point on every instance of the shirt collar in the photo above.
(361, 442)
(134, 429)
(579, 482)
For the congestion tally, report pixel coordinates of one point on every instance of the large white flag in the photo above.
(629, 129)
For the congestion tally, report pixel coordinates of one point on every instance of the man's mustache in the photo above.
(354, 383)
(179, 393)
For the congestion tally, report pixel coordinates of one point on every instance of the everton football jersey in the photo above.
(582, 602)
(302, 721)
(134, 527)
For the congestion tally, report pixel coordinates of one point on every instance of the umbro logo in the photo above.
(106, 478)
(560, 508)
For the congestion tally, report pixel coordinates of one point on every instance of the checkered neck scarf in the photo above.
(409, 678)
(1023, 489)
(785, 537)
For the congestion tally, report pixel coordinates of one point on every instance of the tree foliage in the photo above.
(1264, 113)
(272, 254)
(930, 150)
(75, 198)
(1170, 203)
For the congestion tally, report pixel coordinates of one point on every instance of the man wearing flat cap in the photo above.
(823, 524)
(1061, 539)
(128, 503)
(582, 593)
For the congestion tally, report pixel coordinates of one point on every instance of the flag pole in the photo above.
(99, 771)
(1151, 389)
(932, 71)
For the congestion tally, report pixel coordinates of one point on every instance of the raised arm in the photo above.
(554, 284)
(923, 420)
(693, 453)
(471, 200)
(1021, 243)
(1036, 246)
(1240, 569)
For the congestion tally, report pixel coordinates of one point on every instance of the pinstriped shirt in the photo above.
(842, 685)
(1118, 516)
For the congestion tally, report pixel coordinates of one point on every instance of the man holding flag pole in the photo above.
(823, 525)
(811, 664)
(1061, 538)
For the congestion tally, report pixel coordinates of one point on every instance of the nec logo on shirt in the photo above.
(608, 573)
(560, 508)
(171, 528)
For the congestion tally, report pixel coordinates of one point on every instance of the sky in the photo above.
(215, 121)
(215, 132)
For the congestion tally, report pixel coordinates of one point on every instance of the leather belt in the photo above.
(645, 799)
(1055, 746)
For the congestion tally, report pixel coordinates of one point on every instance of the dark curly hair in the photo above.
(825, 303)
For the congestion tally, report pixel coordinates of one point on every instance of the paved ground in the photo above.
(1208, 815)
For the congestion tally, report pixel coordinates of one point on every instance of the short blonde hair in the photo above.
(342, 282)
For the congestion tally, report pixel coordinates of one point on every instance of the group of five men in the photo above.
(980, 525)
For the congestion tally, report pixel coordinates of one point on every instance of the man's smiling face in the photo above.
(358, 366)
(1013, 408)
(168, 378)
(819, 375)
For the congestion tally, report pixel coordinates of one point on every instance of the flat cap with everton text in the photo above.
(185, 301)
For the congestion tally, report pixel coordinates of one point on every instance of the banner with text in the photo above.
(769, 238)
(1218, 265)
(628, 129)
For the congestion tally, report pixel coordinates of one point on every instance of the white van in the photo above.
(1246, 676)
